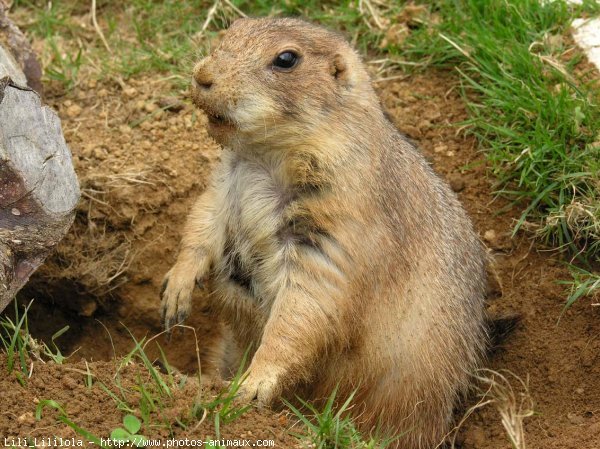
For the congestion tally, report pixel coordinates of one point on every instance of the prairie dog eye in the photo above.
(285, 61)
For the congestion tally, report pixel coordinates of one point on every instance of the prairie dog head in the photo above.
(273, 80)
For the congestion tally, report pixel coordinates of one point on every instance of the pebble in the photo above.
(456, 183)
(424, 124)
(73, 111)
(88, 308)
(171, 104)
(86, 152)
(432, 114)
(489, 236)
(100, 153)
(575, 419)
(150, 107)
(26, 418)
(130, 92)
(15, 211)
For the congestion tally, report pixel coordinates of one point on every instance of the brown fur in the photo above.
(335, 251)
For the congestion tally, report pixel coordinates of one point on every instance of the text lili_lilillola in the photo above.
(43, 442)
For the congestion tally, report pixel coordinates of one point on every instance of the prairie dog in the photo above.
(333, 249)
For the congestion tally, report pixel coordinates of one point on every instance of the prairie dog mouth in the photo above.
(218, 120)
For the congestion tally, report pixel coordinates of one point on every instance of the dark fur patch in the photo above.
(303, 231)
(237, 273)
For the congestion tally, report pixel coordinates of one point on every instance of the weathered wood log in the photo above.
(38, 186)
(16, 52)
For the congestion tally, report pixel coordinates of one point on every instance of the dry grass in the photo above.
(509, 395)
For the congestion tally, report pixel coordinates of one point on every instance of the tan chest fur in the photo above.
(250, 217)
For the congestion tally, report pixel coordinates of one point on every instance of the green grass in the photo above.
(64, 418)
(584, 283)
(332, 426)
(21, 348)
(536, 118)
(536, 121)
(223, 409)
(15, 338)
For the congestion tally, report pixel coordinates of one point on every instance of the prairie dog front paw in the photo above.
(264, 387)
(176, 295)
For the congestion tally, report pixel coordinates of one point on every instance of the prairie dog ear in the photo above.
(339, 70)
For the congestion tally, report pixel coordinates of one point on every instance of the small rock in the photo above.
(432, 114)
(73, 111)
(125, 129)
(456, 183)
(88, 308)
(424, 124)
(490, 236)
(150, 107)
(26, 418)
(171, 104)
(100, 153)
(130, 92)
(87, 151)
(450, 153)
(15, 211)
(575, 419)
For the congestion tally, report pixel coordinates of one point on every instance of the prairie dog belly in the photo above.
(251, 218)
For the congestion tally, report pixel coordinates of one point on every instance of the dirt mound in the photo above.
(81, 391)
(141, 164)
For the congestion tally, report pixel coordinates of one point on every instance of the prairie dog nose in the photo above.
(202, 76)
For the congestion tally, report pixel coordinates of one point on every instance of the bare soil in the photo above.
(141, 167)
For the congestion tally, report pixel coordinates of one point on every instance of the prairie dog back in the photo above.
(335, 253)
